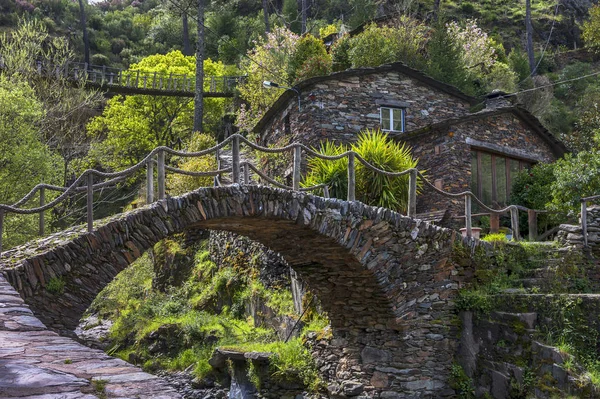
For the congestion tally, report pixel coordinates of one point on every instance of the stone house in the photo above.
(464, 143)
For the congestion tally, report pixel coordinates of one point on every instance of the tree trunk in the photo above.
(199, 95)
(187, 46)
(529, 30)
(86, 41)
(304, 15)
(265, 4)
(436, 10)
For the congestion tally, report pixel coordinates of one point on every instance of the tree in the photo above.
(446, 60)
(199, 93)
(24, 159)
(131, 127)
(529, 33)
(591, 29)
(307, 49)
(86, 41)
(269, 60)
(66, 106)
(380, 45)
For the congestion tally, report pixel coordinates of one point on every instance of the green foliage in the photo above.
(381, 45)
(333, 173)
(99, 386)
(384, 153)
(340, 53)
(445, 60)
(328, 30)
(532, 189)
(310, 58)
(460, 382)
(132, 126)
(519, 64)
(272, 56)
(576, 176)
(24, 159)
(501, 77)
(496, 237)
(292, 17)
(591, 29)
(371, 187)
(180, 184)
(56, 285)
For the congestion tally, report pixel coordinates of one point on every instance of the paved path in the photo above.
(36, 363)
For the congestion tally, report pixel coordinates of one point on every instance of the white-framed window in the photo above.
(392, 119)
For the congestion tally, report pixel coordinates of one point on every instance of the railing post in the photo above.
(42, 203)
(326, 191)
(154, 81)
(584, 222)
(514, 222)
(412, 194)
(297, 167)
(90, 202)
(161, 175)
(1, 227)
(150, 181)
(246, 173)
(137, 78)
(494, 223)
(235, 160)
(103, 74)
(532, 222)
(351, 177)
(468, 218)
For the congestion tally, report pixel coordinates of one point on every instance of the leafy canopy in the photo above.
(132, 126)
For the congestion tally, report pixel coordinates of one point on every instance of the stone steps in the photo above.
(36, 362)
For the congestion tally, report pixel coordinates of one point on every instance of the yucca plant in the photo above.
(332, 173)
(380, 151)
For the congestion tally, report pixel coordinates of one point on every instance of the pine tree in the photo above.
(445, 59)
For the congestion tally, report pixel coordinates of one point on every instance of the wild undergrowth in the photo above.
(179, 329)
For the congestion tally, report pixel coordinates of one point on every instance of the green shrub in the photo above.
(381, 45)
(309, 48)
(495, 237)
(339, 54)
(56, 285)
(333, 173)
(374, 188)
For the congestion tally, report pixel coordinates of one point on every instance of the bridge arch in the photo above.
(381, 277)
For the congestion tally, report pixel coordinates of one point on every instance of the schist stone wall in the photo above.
(339, 106)
(445, 152)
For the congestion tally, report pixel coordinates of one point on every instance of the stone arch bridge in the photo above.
(386, 281)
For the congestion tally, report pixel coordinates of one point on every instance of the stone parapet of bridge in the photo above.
(386, 281)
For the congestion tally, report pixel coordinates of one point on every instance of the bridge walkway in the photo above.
(36, 363)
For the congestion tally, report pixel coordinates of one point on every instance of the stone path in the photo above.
(36, 363)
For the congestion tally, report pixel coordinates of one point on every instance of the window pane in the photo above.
(385, 118)
(486, 178)
(474, 187)
(397, 120)
(514, 169)
(501, 180)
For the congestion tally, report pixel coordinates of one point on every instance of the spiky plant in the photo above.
(333, 173)
(380, 151)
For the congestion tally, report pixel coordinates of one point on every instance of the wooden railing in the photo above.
(240, 174)
(140, 82)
